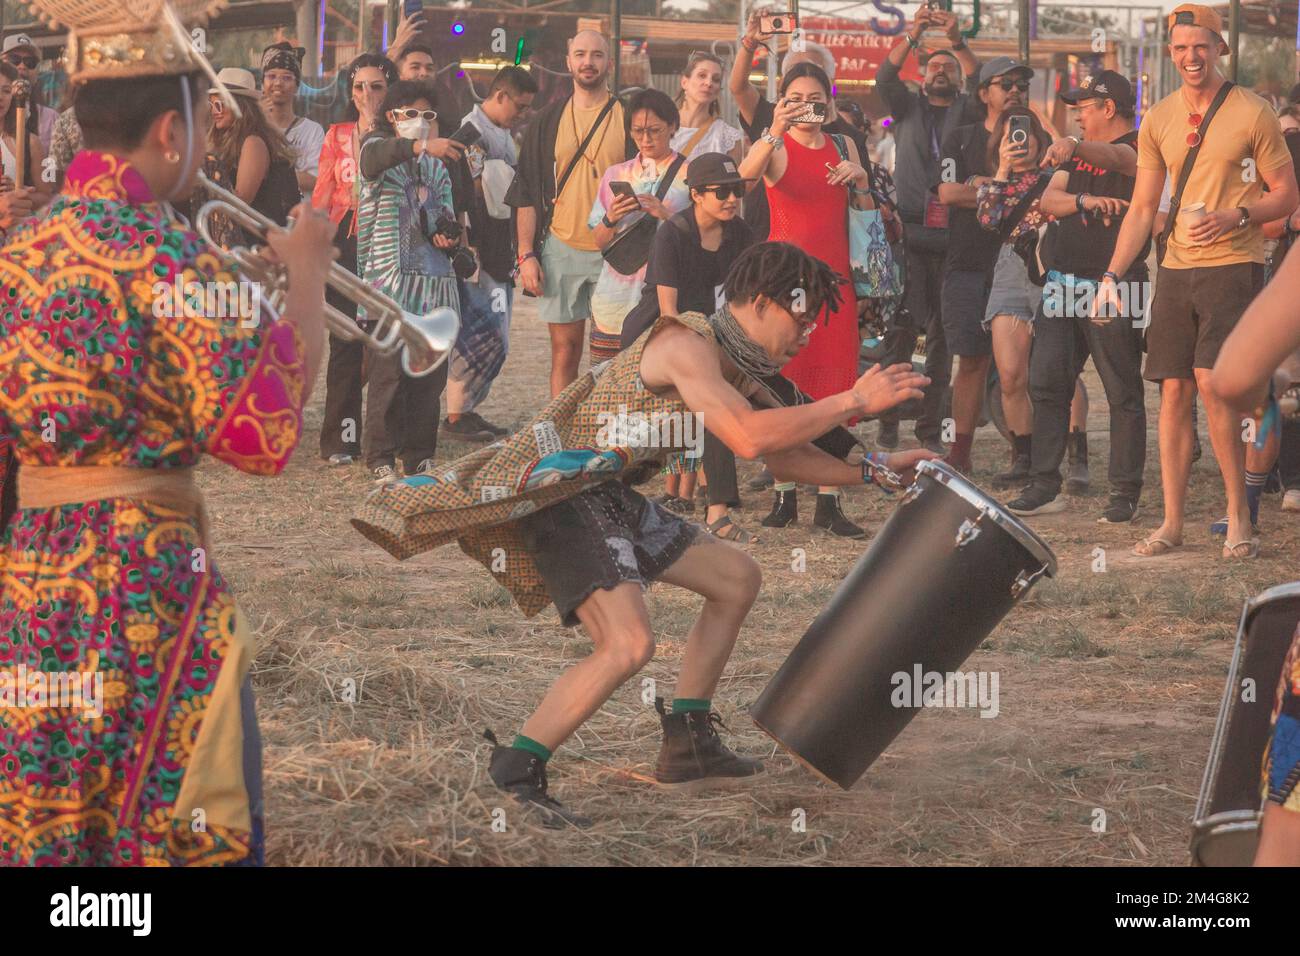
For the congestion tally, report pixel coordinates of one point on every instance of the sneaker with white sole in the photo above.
(1291, 500)
(384, 475)
(1120, 510)
(341, 458)
(1036, 501)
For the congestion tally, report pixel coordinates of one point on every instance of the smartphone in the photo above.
(778, 23)
(813, 112)
(467, 135)
(411, 7)
(620, 188)
(1019, 128)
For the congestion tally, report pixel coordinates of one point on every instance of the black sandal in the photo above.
(738, 536)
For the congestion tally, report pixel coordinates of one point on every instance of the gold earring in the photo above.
(172, 156)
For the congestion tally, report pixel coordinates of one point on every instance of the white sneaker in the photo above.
(1291, 500)
(384, 475)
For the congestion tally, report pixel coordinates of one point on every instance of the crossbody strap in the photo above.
(699, 135)
(582, 147)
(1186, 172)
(1022, 207)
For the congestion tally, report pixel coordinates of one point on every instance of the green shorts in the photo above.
(570, 276)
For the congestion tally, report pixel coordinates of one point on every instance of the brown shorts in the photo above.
(1193, 312)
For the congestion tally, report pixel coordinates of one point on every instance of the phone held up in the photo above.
(622, 189)
(813, 112)
(778, 22)
(1018, 129)
(411, 7)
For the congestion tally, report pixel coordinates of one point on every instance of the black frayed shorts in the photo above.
(1192, 314)
(599, 539)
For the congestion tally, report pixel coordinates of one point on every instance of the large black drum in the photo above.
(944, 570)
(1225, 827)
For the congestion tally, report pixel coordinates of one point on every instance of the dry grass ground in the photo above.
(1109, 686)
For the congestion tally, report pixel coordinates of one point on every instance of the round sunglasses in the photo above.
(410, 113)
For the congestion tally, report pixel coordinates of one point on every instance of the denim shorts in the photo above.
(1011, 293)
(600, 538)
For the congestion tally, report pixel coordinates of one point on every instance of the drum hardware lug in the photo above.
(913, 492)
(969, 531)
(1023, 583)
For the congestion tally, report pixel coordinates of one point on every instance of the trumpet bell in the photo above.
(427, 339)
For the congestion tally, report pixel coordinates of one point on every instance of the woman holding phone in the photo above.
(628, 193)
(809, 190)
(1009, 206)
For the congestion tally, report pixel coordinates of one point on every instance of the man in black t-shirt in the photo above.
(963, 167)
(1088, 196)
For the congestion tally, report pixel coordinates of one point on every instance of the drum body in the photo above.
(1225, 828)
(946, 567)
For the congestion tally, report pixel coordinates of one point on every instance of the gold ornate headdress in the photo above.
(119, 39)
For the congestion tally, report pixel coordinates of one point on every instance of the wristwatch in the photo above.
(776, 142)
(1244, 221)
(608, 225)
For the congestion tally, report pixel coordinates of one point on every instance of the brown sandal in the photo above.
(738, 534)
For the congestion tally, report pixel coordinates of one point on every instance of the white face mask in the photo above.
(417, 129)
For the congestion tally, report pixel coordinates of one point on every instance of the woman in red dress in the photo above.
(809, 189)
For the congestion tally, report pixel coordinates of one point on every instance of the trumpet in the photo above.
(424, 341)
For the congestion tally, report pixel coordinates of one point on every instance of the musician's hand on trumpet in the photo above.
(882, 388)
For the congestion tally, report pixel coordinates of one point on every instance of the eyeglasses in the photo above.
(217, 105)
(28, 61)
(1194, 137)
(653, 132)
(1009, 84)
(725, 192)
(410, 112)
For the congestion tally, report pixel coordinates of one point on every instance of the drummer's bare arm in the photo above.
(681, 360)
(808, 464)
(1261, 341)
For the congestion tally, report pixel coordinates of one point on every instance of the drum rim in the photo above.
(1022, 533)
(1277, 592)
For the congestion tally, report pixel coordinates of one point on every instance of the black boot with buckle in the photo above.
(692, 749)
(785, 510)
(523, 774)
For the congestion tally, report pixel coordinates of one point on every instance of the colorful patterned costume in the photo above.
(93, 373)
(1282, 758)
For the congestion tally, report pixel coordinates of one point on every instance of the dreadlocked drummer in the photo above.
(551, 512)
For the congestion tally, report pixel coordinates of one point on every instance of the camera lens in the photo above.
(778, 23)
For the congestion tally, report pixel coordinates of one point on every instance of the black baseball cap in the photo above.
(1106, 85)
(713, 169)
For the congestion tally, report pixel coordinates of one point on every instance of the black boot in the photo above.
(1077, 480)
(692, 749)
(830, 517)
(1019, 473)
(523, 774)
(785, 510)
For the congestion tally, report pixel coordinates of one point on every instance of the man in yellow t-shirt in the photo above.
(1214, 264)
(559, 260)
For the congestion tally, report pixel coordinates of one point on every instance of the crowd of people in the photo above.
(727, 273)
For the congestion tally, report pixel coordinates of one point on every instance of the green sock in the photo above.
(686, 705)
(530, 745)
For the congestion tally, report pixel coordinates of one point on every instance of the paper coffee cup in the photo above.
(1188, 216)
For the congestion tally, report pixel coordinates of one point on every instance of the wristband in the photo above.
(1111, 276)
(911, 42)
(875, 470)
(1078, 203)
(605, 221)
(749, 44)
(526, 256)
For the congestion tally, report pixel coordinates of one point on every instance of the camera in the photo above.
(778, 23)
(463, 263)
(447, 227)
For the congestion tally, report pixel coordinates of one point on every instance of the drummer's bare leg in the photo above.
(1279, 837)
(619, 627)
(728, 579)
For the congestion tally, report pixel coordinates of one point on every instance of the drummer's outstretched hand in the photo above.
(903, 463)
(882, 388)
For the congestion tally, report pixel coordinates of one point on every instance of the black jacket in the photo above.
(534, 182)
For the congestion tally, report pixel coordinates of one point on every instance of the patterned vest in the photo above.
(569, 447)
